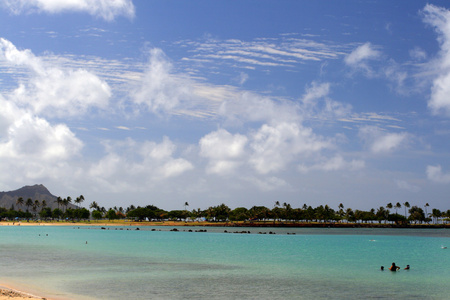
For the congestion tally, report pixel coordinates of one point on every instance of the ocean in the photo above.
(71, 262)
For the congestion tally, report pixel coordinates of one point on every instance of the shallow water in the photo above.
(314, 263)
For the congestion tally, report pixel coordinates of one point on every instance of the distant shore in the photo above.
(221, 224)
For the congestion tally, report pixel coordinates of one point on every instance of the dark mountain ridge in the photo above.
(34, 192)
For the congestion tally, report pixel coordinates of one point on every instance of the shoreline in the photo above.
(7, 292)
(223, 224)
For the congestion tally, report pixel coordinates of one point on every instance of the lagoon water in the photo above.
(124, 263)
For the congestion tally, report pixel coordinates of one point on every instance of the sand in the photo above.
(16, 295)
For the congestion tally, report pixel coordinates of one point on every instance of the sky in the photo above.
(245, 103)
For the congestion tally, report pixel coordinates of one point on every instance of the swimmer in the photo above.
(407, 267)
(382, 268)
(394, 268)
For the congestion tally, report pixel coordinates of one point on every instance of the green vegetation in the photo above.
(222, 213)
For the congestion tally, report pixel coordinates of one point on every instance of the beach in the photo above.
(6, 294)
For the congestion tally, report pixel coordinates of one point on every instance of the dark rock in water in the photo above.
(103, 228)
(174, 229)
(137, 228)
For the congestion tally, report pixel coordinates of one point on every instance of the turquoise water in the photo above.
(312, 264)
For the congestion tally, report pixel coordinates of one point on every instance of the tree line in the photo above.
(278, 213)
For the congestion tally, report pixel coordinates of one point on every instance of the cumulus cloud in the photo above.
(164, 91)
(224, 151)
(252, 107)
(317, 104)
(31, 147)
(106, 9)
(51, 90)
(379, 141)
(358, 59)
(131, 164)
(435, 174)
(439, 18)
(273, 147)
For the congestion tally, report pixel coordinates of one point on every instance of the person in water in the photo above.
(407, 267)
(394, 268)
(382, 268)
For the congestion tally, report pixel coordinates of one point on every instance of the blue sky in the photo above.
(236, 102)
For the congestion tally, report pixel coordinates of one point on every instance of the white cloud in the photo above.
(129, 164)
(404, 185)
(268, 183)
(434, 173)
(285, 51)
(440, 101)
(251, 107)
(335, 163)
(163, 91)
(315, 91)
(106, 9)
(439, 18)
(418, 53)
(358, 58)
(380, 141)
(31, 147)
(317, 104)
(273, 147)
(54, 91)
(224, 151)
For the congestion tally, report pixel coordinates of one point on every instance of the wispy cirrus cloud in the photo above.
(267, 52)
(107, 10)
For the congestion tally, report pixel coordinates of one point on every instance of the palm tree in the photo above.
(436, 214)
(81, 199)
(59, 201)
(426, 213)
(20, 202)
(185, 205)
(389, 206)
(77, 202)
(406, 205)
(398, 206)
(68, 201)
(382, 214)
(341, 210)
(35, 206)
(29, 203)
(349, 214)
(94, 205)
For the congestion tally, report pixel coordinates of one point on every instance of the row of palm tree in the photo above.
(281, 213)
(30, 203)
(20, 202)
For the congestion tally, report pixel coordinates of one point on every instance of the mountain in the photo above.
(34, 192)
